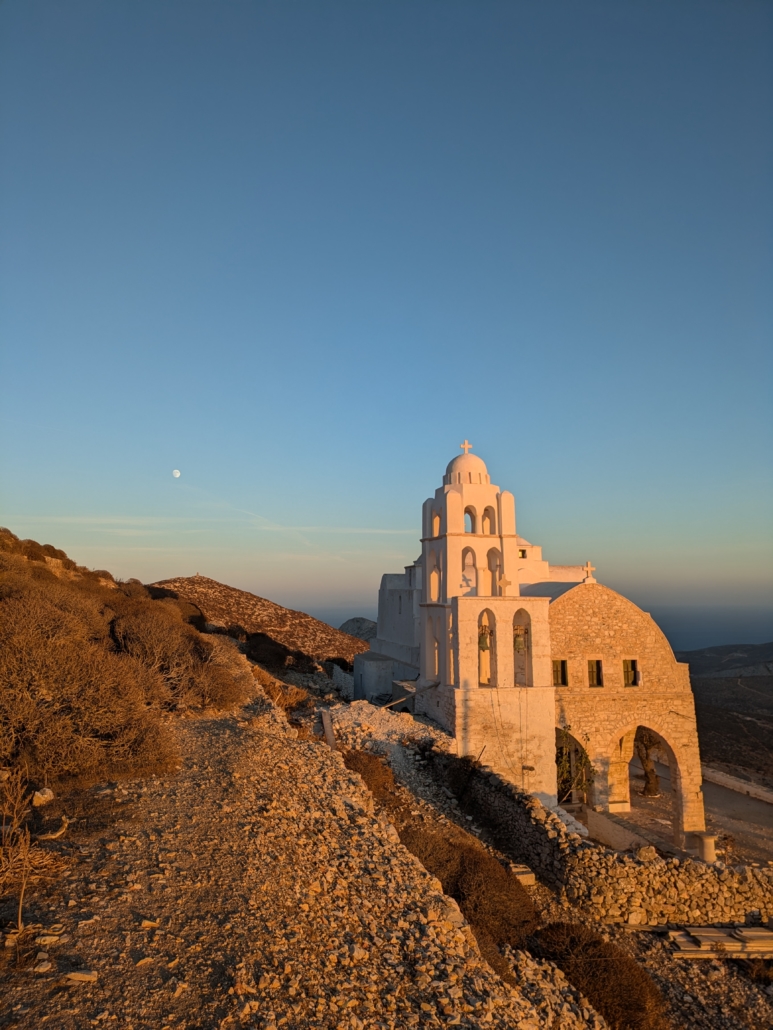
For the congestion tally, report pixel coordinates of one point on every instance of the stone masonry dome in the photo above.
(466, 468)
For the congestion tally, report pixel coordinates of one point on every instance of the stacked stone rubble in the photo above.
(613, 886)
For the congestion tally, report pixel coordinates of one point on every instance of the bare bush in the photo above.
(86, 671)
(20, 859)
(617, 986)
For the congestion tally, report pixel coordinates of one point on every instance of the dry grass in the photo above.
(617, 986)
(22, 861)
(494, 903)
(87, 672)
(286, 696)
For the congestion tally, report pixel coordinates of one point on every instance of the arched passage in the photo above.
(522, 663)
(574, 771)
(681, 806)
(486, 649)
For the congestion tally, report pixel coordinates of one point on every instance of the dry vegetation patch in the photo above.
(88, 670)
(498, 909)
(617, 986)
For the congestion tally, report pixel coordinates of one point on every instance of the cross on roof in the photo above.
(589, 570)
(504, 583)
(466, 446)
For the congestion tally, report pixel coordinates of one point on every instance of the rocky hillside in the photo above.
(276, 636)
(365, 629)
(733, 687)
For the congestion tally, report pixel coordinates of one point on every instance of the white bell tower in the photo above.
(485, 665)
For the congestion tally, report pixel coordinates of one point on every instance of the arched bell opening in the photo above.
(433, 583)
(470, 520)
(494, 572)
(469, 573)
(489, 522)
(523, 675)
(430, 657)
(486, 649)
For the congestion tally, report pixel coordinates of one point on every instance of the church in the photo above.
(513, 655)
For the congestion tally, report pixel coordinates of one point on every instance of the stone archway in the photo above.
(687, 816)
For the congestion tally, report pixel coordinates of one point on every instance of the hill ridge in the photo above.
(295, 631)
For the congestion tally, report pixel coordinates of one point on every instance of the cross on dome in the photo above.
(589, 570)
(466, 446)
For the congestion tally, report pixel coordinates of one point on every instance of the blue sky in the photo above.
(300, 251)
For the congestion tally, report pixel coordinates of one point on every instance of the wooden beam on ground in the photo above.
(327, 726)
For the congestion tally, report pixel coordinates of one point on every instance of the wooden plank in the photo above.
(327, 725)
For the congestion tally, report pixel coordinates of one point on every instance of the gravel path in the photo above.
(253, 887)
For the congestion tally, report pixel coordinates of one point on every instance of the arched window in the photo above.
(435, 523)
(469, 573)
(494, 572)
(470, 521)
(522, 666)
(489, 521)
(486, 650)
(450, 669)
(434, 577)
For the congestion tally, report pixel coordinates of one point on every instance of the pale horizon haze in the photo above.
(301, 251)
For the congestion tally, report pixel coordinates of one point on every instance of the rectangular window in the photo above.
(560, 677)
(630, 672)
(595, 673)
(522, 553)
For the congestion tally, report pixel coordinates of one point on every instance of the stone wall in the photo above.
(609, 885)
(593, 622)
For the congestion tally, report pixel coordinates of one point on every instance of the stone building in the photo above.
(518, 658)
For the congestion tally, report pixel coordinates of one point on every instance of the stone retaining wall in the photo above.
(608, 885)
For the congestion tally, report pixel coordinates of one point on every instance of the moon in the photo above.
(176, 473)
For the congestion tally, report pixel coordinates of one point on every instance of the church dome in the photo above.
(466, 468)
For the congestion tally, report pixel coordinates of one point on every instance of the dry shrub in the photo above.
(494, 903)
(87, 670)
(378, 778)
(21, 860)
(615, 985)
(759, 971)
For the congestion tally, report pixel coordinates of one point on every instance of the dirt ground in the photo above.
(253, 887)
